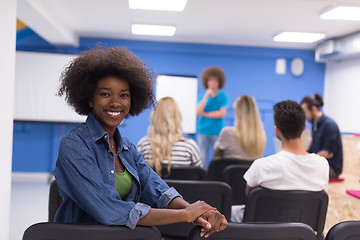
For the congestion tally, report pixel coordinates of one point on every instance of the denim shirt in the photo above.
(326, 136)
(85, 174)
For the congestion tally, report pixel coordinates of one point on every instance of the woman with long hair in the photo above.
(246, 140)
(165, 144)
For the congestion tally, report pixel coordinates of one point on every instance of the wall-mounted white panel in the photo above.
(184, 90)
(342, 94)
(36, 84)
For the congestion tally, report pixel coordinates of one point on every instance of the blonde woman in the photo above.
(246, 140)
(165, 144)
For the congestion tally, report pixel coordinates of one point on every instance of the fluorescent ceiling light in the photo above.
(156, 30)
(342, 13)
(162, 5)
(300, 37)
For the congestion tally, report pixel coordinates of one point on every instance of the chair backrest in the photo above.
(260, 231)
(217, 194)
(71, 231)
(217, 166)
(347, 230)
(54, 200)
(233, 175)
(184, 173)
(265, 205)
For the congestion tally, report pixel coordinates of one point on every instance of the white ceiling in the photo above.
(233, 22)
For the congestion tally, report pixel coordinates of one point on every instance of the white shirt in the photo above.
(287, 171)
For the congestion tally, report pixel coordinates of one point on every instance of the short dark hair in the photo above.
(289, 118)
(213, 72)
(80, 78)
(316, 101)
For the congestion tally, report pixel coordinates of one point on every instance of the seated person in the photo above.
(246, 140)
(165, 144)
(293, 168)
(101, 176)
(326, 137)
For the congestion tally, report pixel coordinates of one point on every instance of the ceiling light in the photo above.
(300, 37)
(342, 13)
(156, 30)
(162, 5)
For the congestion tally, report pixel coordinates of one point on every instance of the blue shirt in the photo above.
(85, 174)
(212, 126)
(326, 136)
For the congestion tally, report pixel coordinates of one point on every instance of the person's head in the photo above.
(213, 78)
(248, 126)
(289, 118)
(85, 82)
(164, 130)
(311, 106)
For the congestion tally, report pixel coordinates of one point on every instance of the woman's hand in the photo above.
(215, 219)
(195, 210)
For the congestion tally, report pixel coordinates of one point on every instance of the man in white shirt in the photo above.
(293, 168)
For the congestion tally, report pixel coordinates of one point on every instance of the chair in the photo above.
(260, 231)
(71, 231)
(184, 173)
(233, 175)
(348, 230)
(265, 205)
(54, 200)
(217, 194)
(217, 166)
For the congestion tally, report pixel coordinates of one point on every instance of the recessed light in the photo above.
(156, 30)
(342, 13)
(162, 5)
(301, 37)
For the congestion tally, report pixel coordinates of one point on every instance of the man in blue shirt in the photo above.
(211, 109)
(326, 137)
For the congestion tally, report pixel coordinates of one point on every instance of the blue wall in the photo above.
(249, 70)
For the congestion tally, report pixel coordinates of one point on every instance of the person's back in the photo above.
(246, 140)
(185, 152)
(165, 144)
(292, 168)
(288, 171)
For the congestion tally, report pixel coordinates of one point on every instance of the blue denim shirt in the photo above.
(85, 174)
(326, 136)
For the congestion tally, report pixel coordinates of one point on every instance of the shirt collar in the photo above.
(97, 132)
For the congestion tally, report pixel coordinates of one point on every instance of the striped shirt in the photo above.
(184, 152)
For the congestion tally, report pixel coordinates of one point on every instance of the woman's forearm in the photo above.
(216, 114)
(182, 212)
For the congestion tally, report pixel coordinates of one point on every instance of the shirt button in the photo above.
(105, 136)
(112, 171)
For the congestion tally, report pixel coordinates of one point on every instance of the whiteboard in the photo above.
(184, 91)
(36, 84)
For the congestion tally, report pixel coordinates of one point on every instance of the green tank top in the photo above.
(123, 183)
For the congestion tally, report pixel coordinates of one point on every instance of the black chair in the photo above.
(70, 231)
(259, 231)
(184, 173)
(54, 200)
(348, 230)
(217, 194)
(265, 205)
(217, 166)
(233, 175)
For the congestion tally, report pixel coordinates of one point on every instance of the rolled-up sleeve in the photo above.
(167, 197)
(139, 211)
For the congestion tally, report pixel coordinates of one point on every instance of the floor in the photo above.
(29, 197)
(342, 206)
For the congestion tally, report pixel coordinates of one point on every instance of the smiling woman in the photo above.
(101, 176)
